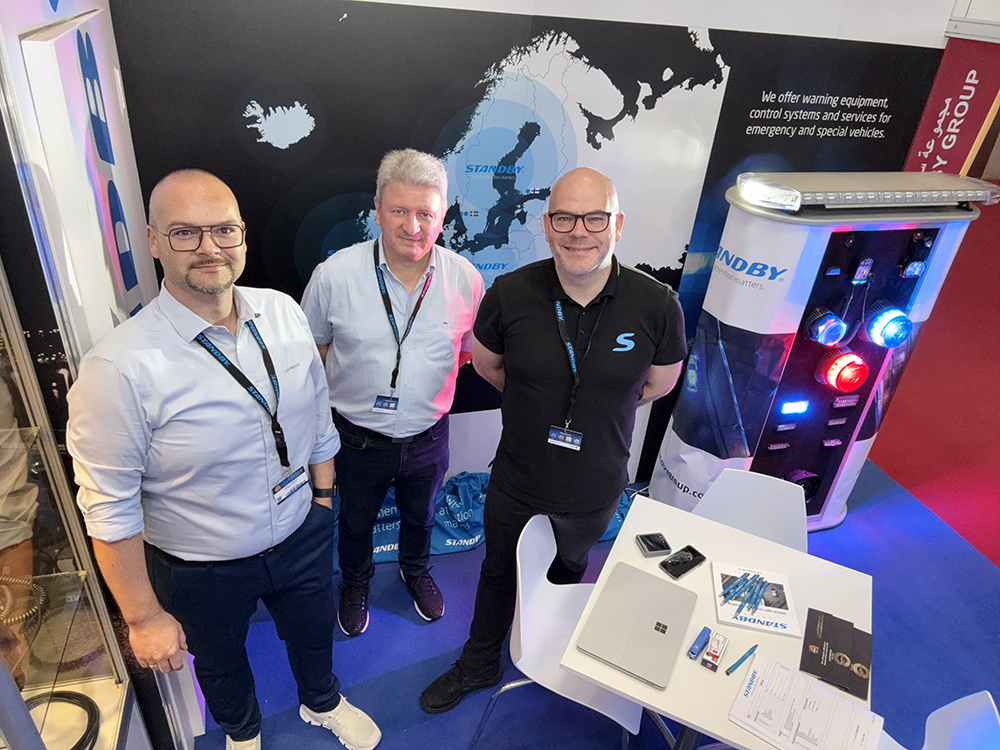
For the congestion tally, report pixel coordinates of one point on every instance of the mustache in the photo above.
(213, 262)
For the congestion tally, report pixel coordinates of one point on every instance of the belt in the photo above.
(180, 562)
(343, 423)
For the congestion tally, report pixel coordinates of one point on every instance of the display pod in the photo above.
(809, 318)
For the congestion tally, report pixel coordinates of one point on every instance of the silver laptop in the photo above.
(638, 624)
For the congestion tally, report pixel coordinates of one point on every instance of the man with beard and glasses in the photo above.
(201, 437)
(575, 343)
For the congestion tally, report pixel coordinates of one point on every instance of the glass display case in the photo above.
(55, 633)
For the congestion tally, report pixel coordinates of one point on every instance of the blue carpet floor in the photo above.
(936, 600)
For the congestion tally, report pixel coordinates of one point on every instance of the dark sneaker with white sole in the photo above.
(447, 690)
(352, 616)
(427, 598)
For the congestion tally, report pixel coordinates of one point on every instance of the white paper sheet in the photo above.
(793, 711)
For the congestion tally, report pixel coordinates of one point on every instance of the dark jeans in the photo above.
(367, 464)
(213, 602)
(504, 519)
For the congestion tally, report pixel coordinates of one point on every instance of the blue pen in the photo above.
(760, 595)
(755, 595)
(742, 659)
(734, 584)
(748, 593)
(742, 588)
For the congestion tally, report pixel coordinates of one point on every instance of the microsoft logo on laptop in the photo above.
(660, 627)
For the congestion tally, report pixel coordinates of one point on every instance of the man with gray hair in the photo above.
(392, 318)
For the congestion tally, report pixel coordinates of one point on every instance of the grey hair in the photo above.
(411, 167)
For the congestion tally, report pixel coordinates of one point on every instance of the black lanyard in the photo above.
(573, 366)
(392, 318)
(279, 435)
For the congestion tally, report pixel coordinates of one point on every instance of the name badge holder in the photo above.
(563, 436)
(291, 479)
(390, 404)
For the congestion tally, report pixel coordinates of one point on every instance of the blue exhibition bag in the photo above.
(458, 518)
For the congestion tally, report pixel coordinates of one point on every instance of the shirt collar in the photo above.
(434, 262)
(556, 290)
(189, 324)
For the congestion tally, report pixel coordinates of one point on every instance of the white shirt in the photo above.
(345, 311)
(166, 442)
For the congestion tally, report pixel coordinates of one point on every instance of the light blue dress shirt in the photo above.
(166, 442)
(345, 311)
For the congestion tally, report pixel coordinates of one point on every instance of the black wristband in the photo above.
(327, 492)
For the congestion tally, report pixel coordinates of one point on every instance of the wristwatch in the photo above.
(326, 492)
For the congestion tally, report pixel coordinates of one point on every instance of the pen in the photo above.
(735, 584)
(748, 595)
(758, 595)
(741, 589)
(742, 659)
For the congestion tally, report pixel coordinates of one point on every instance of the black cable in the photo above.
(89, 738)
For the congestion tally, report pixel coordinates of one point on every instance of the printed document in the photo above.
(794, 711)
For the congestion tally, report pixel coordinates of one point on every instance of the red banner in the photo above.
(960, 109)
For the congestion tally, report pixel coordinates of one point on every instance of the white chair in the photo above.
(970, 723)
(544, 620)
(759, 504)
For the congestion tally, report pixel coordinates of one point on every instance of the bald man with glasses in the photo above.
(575, 343)
(203, 447)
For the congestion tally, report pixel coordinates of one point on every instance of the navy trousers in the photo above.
(367, 464)
(213, 602)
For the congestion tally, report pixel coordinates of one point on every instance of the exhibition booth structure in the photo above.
(819, 288)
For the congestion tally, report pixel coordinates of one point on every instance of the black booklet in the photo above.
(837, 652)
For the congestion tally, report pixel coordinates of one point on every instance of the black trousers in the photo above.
(213, 602)
(367, 464)
(504, 519)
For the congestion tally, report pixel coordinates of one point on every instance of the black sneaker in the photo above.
(427, 599)
(353, 613)
(447, 690)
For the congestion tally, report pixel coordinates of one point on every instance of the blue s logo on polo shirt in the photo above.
(625, 342)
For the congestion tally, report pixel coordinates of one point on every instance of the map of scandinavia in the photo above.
(547, 107)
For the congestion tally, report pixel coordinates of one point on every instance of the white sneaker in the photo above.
(352, 726)
(253, 744)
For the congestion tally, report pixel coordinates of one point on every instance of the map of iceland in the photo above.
(280, 126)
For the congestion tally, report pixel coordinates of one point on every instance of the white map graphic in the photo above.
(548, 107)
(534, 118)
(280, 126)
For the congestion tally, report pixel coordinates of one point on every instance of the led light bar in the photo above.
(792, 191)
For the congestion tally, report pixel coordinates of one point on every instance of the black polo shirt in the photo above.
(640, 323)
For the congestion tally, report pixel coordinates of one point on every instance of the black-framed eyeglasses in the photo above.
(188, 239)
(595, 221)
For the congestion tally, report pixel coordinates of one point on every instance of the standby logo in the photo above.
(512, 170)
(744, 272)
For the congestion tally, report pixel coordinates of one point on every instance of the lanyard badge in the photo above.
(390, 404)
(279, 436)
(563, 436)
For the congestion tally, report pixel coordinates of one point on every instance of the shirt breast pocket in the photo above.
(440, 342)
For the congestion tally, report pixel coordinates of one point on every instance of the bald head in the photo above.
(582, 250)
(198, 206)
(188, 185)
(583, 181)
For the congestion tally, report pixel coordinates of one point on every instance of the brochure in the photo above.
(794, 711)
(837, 652)
(775, 612)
